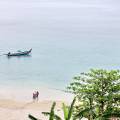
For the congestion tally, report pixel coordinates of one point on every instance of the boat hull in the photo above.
(20, 53)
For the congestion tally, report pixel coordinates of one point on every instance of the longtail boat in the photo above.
(19, 53)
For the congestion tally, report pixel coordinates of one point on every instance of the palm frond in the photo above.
(32, 117)
(52, 111)
(71, 109)
(56, 117)
(65, 111)
(46, 113)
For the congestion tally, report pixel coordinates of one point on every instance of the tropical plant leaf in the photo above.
(32, 117)
(46, 113)
(56, 117)
(52, 111)
(71, 109)
(65, 111)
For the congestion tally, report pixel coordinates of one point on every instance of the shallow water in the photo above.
(67, 37)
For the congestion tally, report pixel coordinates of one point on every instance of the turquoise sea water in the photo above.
(67, 37)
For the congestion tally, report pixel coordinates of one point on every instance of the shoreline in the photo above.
(17, 104)
(25, 94)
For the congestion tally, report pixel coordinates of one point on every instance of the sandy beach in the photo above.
(13, 110)
(16, 105)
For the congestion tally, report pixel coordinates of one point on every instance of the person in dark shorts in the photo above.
(35, 95)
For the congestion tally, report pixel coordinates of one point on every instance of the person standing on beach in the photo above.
(37, 95)
(34, 96)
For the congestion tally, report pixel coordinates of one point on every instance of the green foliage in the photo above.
(65, 111)
(100, 89)
(71, 110)
(68, 112)
(32, 117)
(54, 118)
(51, 114)
(52, 111)
(98, 97)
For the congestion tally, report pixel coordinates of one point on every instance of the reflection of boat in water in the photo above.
(19, 53)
